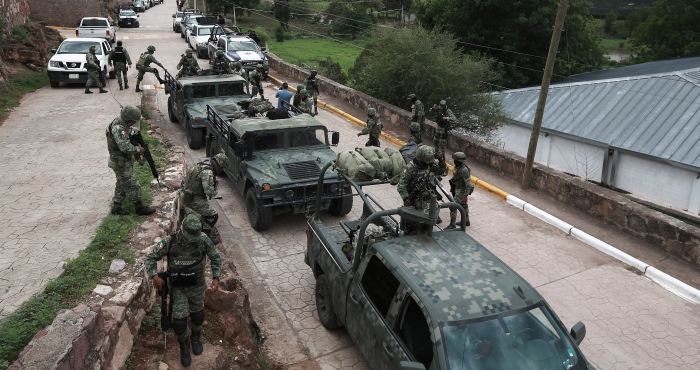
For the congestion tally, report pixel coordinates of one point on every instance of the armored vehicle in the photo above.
(190, 95)
(433, 300)
(276, 162)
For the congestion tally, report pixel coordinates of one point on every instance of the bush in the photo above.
(262, 35)
(330, 69)
(279, 34)
(20, 33)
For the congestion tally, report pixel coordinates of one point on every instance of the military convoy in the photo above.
(434, 300)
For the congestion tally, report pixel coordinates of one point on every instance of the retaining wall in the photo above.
(16, 12)
(659, 230)
(66, 13)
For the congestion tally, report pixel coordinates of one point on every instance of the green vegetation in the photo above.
(669, 30)
(80, 274)
(310, 51)
(17, 86)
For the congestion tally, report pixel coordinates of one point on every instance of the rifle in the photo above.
(441, 121)
(453, 187)
(166, 312)
(136, 139)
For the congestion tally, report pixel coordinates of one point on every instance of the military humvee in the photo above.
(190, 95)
(438, 300)
(276, 163)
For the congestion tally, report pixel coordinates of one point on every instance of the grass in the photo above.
(81, 274)
(297, 27)
(309, 51)
(18, 86)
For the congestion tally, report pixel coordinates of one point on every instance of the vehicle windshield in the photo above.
(527, 340)
(208, 31)
(179, 14)
(242, 46)
(311, 136)
(130, 13)
(232, 89)
(138, 3)
(95, 23)
(191, 20)
(79, 47)
(203, 91)
(269, 141)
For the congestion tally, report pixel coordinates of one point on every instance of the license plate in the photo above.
(74, 76)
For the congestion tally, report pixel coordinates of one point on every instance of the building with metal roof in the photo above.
(638, 133)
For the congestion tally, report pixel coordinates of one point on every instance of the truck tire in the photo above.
(213, 148)
(260, 217)
(324, 303)
(195, 137)
(55, 83)
(341, 206)
(171, 114)
(182, 35)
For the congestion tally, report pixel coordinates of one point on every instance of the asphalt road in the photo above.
(632, 322)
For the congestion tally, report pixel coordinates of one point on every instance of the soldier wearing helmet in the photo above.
(445, 119)
(296, 99)
(185, 250)
(312, 88)
(418, 179)
(120, 58)
(188, 64)
(417, 110)
(305, 103)
(256, 79)
(199, 185)
(121, 161)
(460, 186)
(239, 70)
(220, 65)
(93, 67)
(144, 65)
(373, 128)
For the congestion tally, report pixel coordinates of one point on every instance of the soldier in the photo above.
(444, 120)
(121, 161)
(417, 110)
(239, 70)
(93, 67)
(187, 247)
(296, 99)
(373, 128)
(120, 58)
(312, 88)
(188, 65)
(416, 133)
(256, 79)
(219, 64)
(200, 183)
(426, 162)
(462, 185)
(305, 103)
(144, 65)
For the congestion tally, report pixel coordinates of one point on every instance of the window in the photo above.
(267, 141)
(203, 91)
(307, 137)
(231, 89)
(105, 48)
(242, 46)
(380, 285)
(78, 48)
(413, 329)
(95, 23)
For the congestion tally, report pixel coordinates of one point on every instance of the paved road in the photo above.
(632, 323)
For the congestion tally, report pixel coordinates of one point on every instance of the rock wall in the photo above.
(659, 230)
(16, 12)
(33, 53)
(66, 13)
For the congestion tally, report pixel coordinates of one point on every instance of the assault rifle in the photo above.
(136, 139)
(440, 115)
(166, 312)
(422, 185)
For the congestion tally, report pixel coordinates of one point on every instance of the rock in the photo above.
(117, 266)
(162, 366)
(117, 312)
(212, 358)
(232, 307)
(122, 350)
(102, 289)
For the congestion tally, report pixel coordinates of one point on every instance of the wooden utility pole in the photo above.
(539, 113)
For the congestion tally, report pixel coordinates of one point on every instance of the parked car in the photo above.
(147, 4)
(240, 49)
(68, 62)
(138, 6)
(200, 36)
(128, 18)
(177, 17)
(97, 27)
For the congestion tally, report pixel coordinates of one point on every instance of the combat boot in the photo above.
(451, 226)
(142, 210)
(185, 357)
(126, 86)
(102, 91)
(197, 347)
(117, 210)
(137, 89)
(120, 87)
(87, 90)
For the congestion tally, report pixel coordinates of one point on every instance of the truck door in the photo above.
(372, 294)
(233, 161)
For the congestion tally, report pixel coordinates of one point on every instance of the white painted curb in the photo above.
(546, 217)
(672, 284)
(609, 250)
(516, 202)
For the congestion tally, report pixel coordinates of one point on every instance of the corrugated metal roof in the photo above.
(656, 115)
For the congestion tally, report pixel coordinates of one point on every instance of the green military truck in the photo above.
(435, 300)
(190, 95)
(276, 162)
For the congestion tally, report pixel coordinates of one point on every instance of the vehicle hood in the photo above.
(269, 167)
(200, 39)
(245, 55)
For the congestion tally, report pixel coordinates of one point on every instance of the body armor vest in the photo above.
(185, 266)
(118, 56)
(112, 145)
(192, 183)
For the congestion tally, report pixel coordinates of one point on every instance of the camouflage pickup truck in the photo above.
(276, 162)
(436, 300)
(190, 95)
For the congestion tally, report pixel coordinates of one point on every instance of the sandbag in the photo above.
(350, 161)
(408, 151)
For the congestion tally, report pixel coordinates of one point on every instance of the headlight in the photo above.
(266, 186)
(55, 64)
(334, 188)
(289, 194)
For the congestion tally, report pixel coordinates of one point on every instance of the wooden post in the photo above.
(539, 113)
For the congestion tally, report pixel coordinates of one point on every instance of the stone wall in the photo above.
(66, 13)
(16, 12)
(659, 230)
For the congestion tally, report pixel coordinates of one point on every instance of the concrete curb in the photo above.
(673, 285)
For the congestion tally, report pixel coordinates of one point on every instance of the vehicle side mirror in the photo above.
(408, 365)
(578, 332)
(335, 138)
(137, 15)
(239, 149)
(254, 91)
(173, 15)
(53, 51)
(263, 49)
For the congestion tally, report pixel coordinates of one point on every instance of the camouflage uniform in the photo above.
(185, 251)
(414, 170)
(220, 64)
(256, 79)
(417, 110)
(305, 104)
(120, 57)
(200, 184)
(440, 138)
(93, 67)
(144, 65)
(188, 65)
(373, 128)
(416, 135)
(463, 186)
(296, 100)
(239, 70)
(312, 88)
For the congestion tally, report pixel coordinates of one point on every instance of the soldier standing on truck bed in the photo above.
(93, 67)
(188, 65)
(256, 79)
(220, 65)
(462, 185)
(373, 128)
(120, 58)
(199, 184)
(415, 184)
(144, 65)
(312, 88)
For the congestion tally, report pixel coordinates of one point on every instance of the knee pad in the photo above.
(180, 325)
(197, 318)
(211, 220)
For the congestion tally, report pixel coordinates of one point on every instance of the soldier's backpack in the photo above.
(141, 64)
(408, 151)
(278, 113)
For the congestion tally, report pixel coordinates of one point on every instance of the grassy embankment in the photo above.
(17, 86)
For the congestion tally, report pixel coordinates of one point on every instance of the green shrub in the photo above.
(20, 33)
(262, 35)
(279, 34)
(330, 69)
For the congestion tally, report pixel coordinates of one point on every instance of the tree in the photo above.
(516, 33)
(632, 22)
(226, 6)
(670, 30)
(347, 17)
(280, 9)
(610, 20)
(398, 62)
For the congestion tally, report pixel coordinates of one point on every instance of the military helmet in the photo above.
(371, 111)
(411, 96)
(238, 65)
(300, 87)
(442, 104)
(303, 92)
(92, 48)
(130, 113)
(189, 51)
(313, 72)
(191, 227)
(119, 43)
(459, 156)
(220, 160)
(259, 66)
(425, 154)
(151, 48)
(219, 53)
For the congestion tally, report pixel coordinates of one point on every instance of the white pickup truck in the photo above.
(97, 27)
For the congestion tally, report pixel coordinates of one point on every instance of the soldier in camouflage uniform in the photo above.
(305, 105)
(199, 184)
(442, 129)
(219, 64)
(188, 65)
(416, 133)
(461, 180)
(417, 110)
(239, 70)
(373, 128)
(120, 58)
(296, 99)
(312, 89)
(93, 67)
(185, 251)
(121, 161)
(144, 65)
(256, 79)
(426, 162)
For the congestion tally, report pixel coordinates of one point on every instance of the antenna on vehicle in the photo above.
(520, 292)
